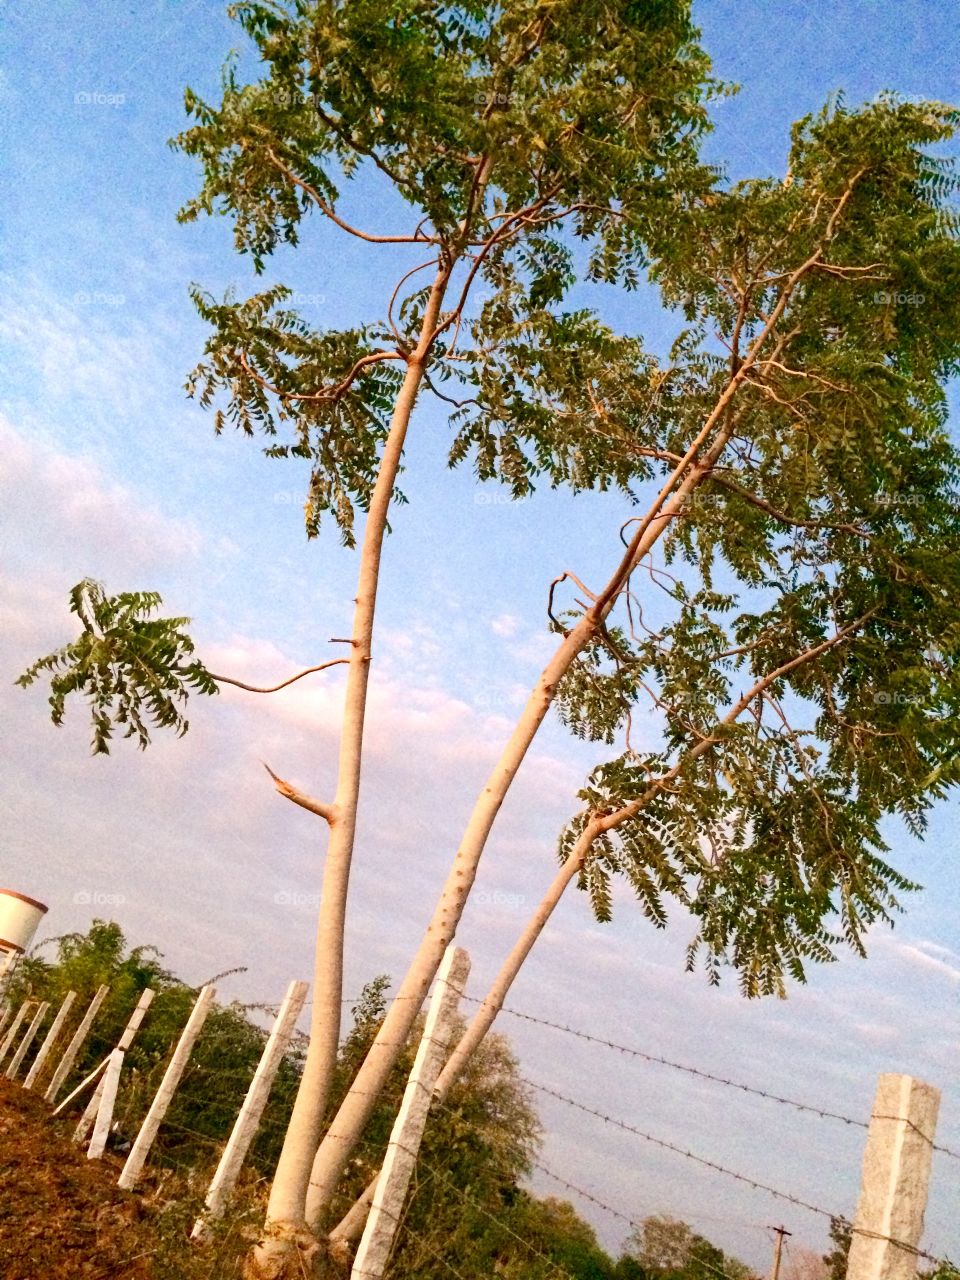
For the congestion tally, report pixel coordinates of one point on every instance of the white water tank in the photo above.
(19, 917)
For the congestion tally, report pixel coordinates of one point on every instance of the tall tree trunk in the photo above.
(284, 1231)
(348, 1125)
(690, 471)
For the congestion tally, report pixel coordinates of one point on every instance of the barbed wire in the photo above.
(719, 1168)
(822, 1112)
(468, 1199)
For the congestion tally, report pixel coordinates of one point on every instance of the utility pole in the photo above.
(779, 1232)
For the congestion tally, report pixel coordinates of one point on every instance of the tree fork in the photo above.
(691, 471)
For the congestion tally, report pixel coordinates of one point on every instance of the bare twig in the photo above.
(253, 688)
(326, 811)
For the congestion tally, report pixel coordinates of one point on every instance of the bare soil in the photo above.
(62, 1217)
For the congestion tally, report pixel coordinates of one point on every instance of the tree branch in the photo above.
(328, 210)
(329, 393)
(326, 811)
(253, 688)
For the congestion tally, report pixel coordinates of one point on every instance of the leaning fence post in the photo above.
(98, 1103)
(9, 1038)
(49, 1040)
(158, 1108)
(73, 1048)
(245, 1125)
(375, 1245)
(896, 1175)
(107, 1094)
(27, 1040)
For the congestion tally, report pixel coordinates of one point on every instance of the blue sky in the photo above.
(106, 468)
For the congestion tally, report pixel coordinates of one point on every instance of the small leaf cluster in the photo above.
(278, 373)
(134, 669)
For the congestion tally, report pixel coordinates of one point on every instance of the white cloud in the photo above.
(920, 959)
(505, 624)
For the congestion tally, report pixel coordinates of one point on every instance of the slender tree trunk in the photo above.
(348, 1125)
(285, 1225)
(691, 470)
(350, 1228)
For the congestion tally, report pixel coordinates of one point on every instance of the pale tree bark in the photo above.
(285, 1222)
(691, 471)
(350, 1227)
(286, 1239)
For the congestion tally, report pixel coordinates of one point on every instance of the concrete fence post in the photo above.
(158, 1108)
(27, 1041)
(73, 1048)
(251, 1112)
(11, 1035)
(49, 1040)
(96, 1108)
(896, 1175)
(107, 1098)
(377, 1241)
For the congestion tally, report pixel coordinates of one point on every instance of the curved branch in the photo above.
(253, 688)
(328, 210)
(329, 393)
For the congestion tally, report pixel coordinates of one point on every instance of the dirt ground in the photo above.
(62, 1216)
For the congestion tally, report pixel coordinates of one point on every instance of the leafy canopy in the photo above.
(795, 668)
(511, 133)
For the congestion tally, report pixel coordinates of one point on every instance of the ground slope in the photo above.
(62, 1217)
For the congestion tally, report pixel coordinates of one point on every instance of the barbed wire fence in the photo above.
(181, 1144)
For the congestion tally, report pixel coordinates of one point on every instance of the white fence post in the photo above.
(247, 1121)
(377, 1239)
(107, 1094)
(158, 1108)
(9, 1038)
(73, 1048)
(49, 1040)
(896, 1175)
(95, 1106)
(10, 962)
(27, 1040)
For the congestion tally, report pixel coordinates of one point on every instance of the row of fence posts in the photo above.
(887, 1227)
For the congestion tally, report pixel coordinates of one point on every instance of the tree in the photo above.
(488, 123)
(792, 457)
(665, 1248)
(841, 1233)
(661, 1244)
(801, 649)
